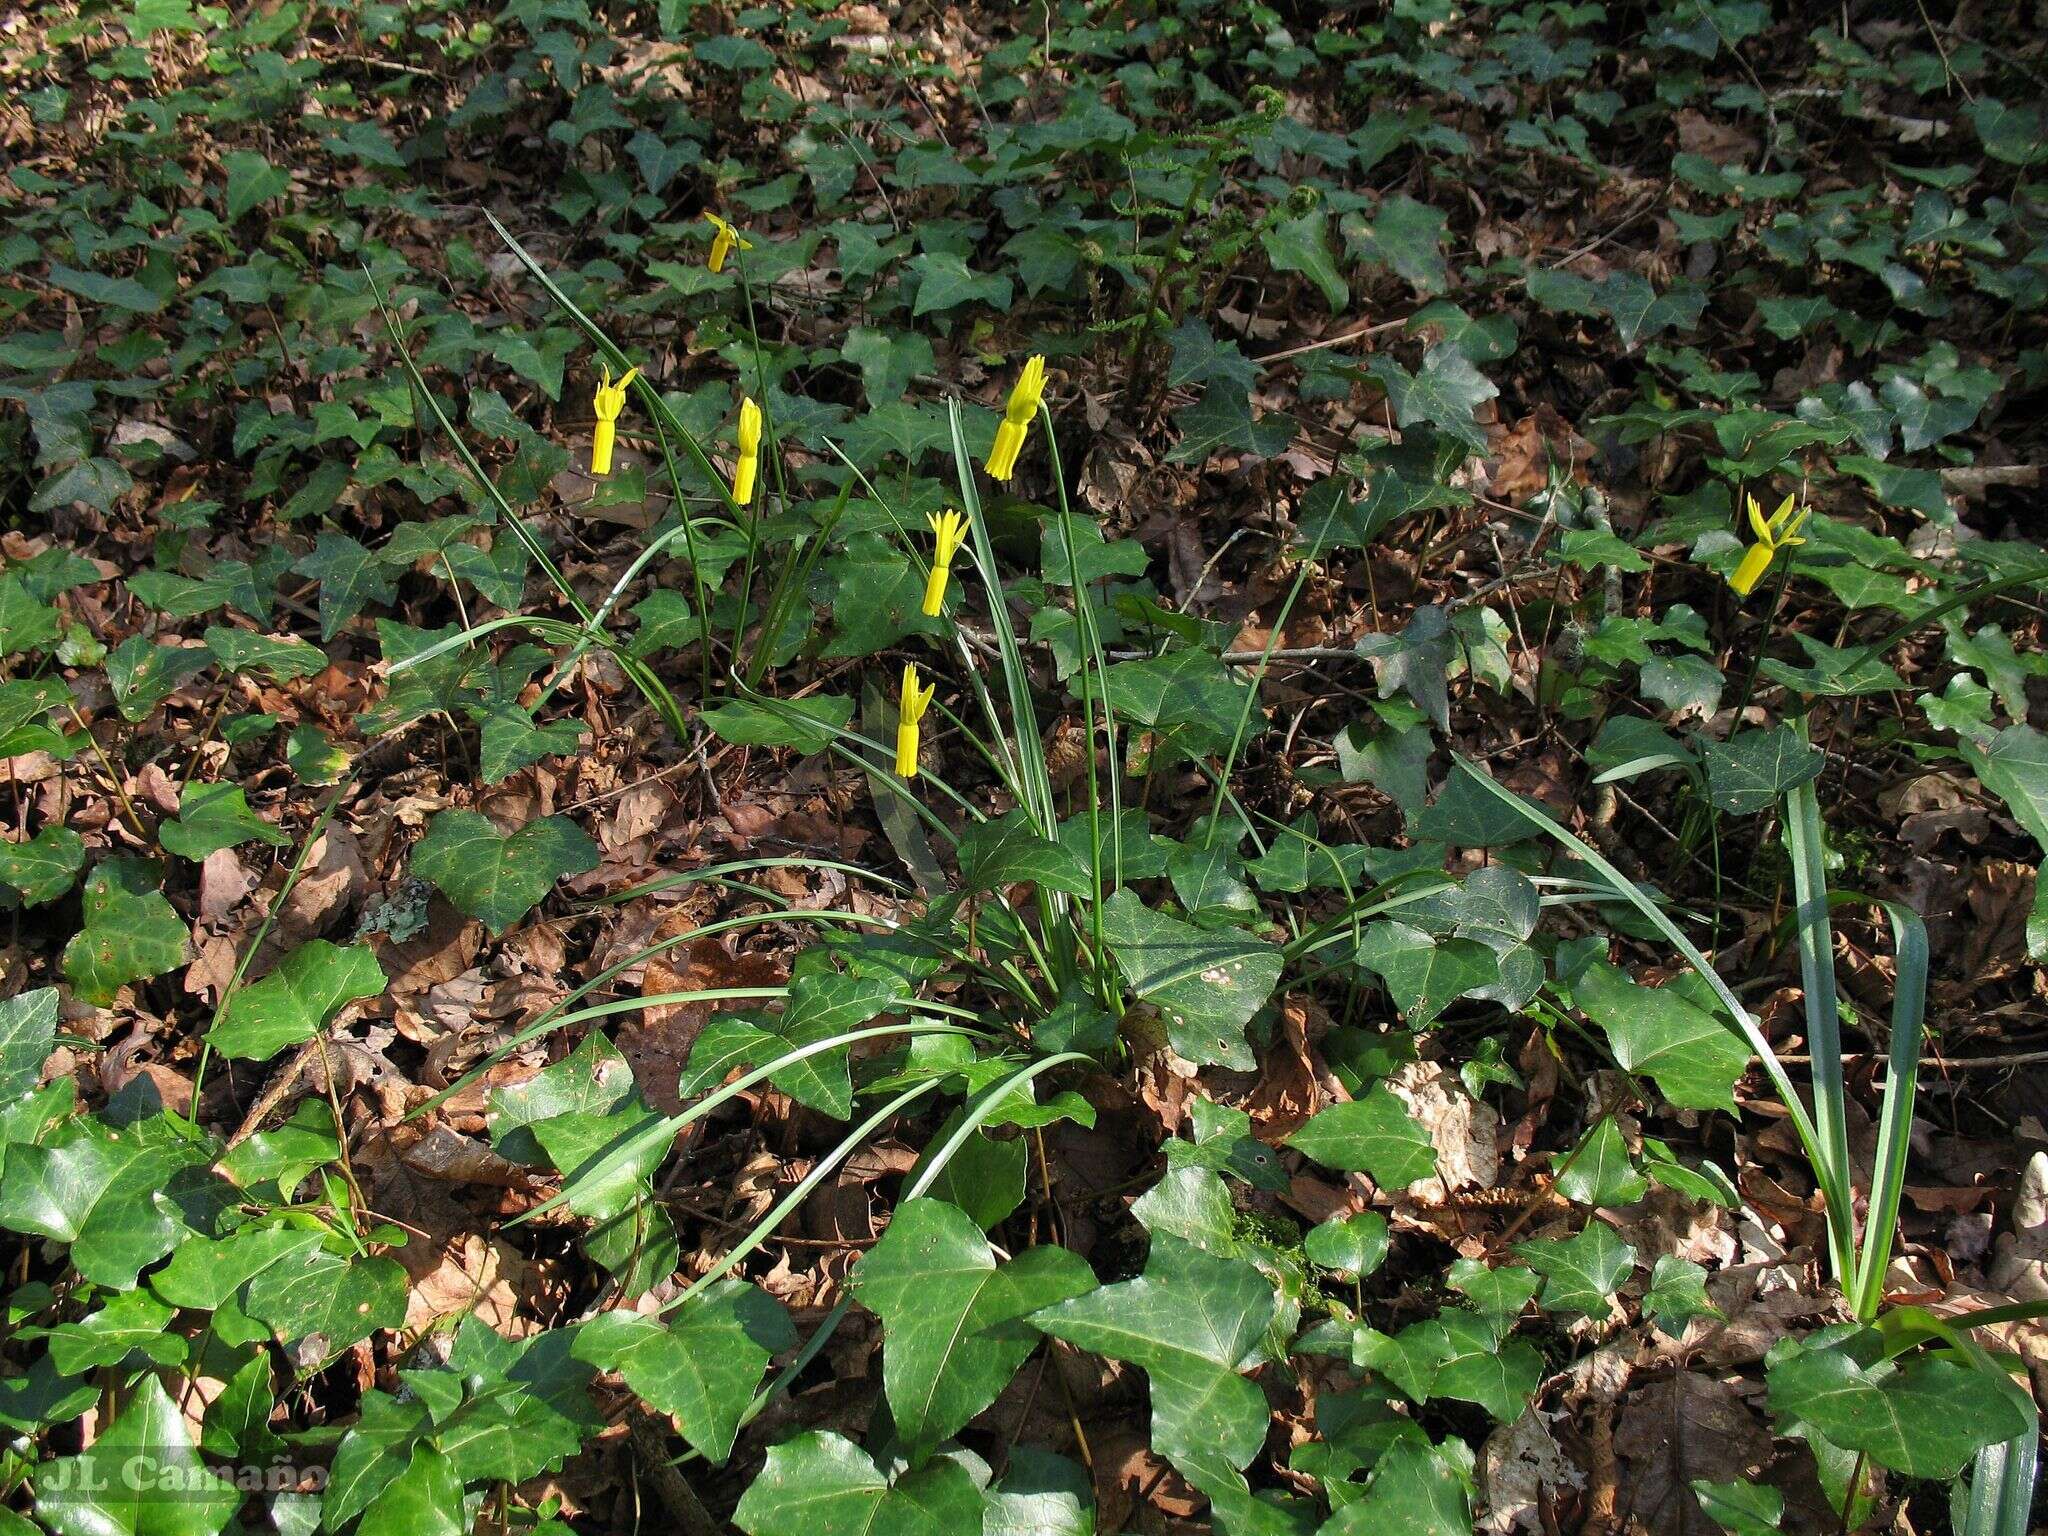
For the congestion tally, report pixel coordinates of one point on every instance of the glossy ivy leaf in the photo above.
(1424, 975)
(99, 1491)
(350, 579)
(1925, 1418)
(1223, 1141)
(1353, 1245)
(1600, 1170)
(500, 879)
(142, 674)
(1206, 985)
(702, 1363)
(423, 1500)
(131, 932)
(1302, 244)
(1221, 420)
(373, 1454)
(1741, 1509)
(212, 817)
(1189, 1321)
(131, 1322)
(1677, 1295)
(1041, 1494)
(296, 1001)
(822, 1484)
(28, 1033)
(341, 1300)
(1374, 1134)
(809, 724)
(1694, 1058)
(1187, 695)
(43, 868)
(1416, 1489)
(953, 1319)
(24, 704)
(1752, 770)
(1581, 1273)
(1444, 394)
(1008, 851)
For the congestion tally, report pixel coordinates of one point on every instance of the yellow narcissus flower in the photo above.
(1017, 414)
(950, 530)
(1778, 531)
(724, 241)
(909, 710)
(609, 400)
(750, 453)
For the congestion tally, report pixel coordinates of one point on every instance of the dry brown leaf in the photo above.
(1684, 1427)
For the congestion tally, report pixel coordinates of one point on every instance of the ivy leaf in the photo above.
(809, 725)
(1008, 851)
(342, 1300)
(1677, 1294)
(1477, 1367)
(43, 868)
(1374, 1134)
(1601, 1172)
(1639, 310)
(1353, 1245)
(97, 1493)
(1925, 1419)
(1222, 420)
(1208, 985)
(500, 879)
(952, 1318)
(251, 180)
(1750, 771)
(1444, 394)
(822, 1484)
(1405, 236)
(26, 622)
(1694, 1057)
(350, 577)
(887, 360)
(212, 817)
(1741, 1509)
(423, 1500)
(109, 1195)
(1224, 1143)
(142, 674)
(279, 657)
(1199, 358)
(944, 282)
(1041, 1494)
(1582, 1273)
(296, 1001)
(28, 1033)
(1415, 1488)
(1189, 1321)
(131, 932)
(1425, 975)
(702, 1364)
(1302, 245)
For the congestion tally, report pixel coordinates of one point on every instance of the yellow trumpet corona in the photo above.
(1023, 405)
(724, 241)
(909, 711)
(749, 464)
(1778, 531)
(949, 529)
(609, 400)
